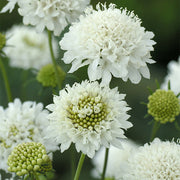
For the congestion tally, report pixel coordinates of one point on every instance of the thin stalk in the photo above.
(72, 162)
(105, 164)
(6, 82)
(154, 130)
(78, 170)
(53, 59)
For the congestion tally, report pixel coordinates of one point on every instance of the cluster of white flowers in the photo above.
(173, 76)
(54, 15)
(117, 160)
(88, 115)
(158, 161)
(28, 49)
(22, 122)
(112, 42)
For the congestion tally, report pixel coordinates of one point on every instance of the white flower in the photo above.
(54, 15)
(28, 49)
(156, 161)
(9, 6)
(22, 122)
(74, 120)
(173, 76)
(112, 42)
(117, 160)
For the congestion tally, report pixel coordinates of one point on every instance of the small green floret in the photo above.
(47, 76)
(164, 106)
(2, 41)
(29, 158)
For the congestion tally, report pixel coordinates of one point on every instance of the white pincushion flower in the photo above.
(117, 160)
(54, 15)
(173, 76)
(22, 122)
(28, 49)
(89, 116)
(112, 42)
(156, 161)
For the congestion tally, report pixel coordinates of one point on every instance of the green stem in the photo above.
(6, 82)
(72, 162)
(154, 130)
(53, 59)
(105, 164)
(78, 170)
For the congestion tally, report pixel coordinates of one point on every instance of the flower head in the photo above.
(173, 76)
(112, 42)
(158, 161)
(163, 105)
(117, 160)
(28, 158)
(47, 76)
(28, 49)
(22, 122)
(89, 116)
(2, 41)
(54, 15)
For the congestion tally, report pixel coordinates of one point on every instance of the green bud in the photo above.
(23, 159)
(47, 77)
(2, 41)
(163, 105)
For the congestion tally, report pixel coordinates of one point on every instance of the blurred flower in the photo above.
(51, 14)
(9, 6)
(112, 42)
(117, 160)
(47, 76)
(89, 116)
(163, 105)
(28, 158)
(173, 76)
(28, 49)
(22, 122)
(158, 161)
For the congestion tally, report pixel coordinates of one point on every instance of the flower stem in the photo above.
(105, 164)
(6, 82)
(78, 170)
(154, 130)
(53, 59)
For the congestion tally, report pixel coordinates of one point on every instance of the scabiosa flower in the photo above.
(158, 161)
(163, 105)
(112, 42)
(117, 160)
(173, 76)
(22, 122)
(54, 15)
(28, 49)
(30, 157)
(89, 116)
(47, 76)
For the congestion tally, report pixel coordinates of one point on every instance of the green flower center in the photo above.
(88, 112)
(28, 158)
(164, 106)
(28, 41)
(2, 41)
